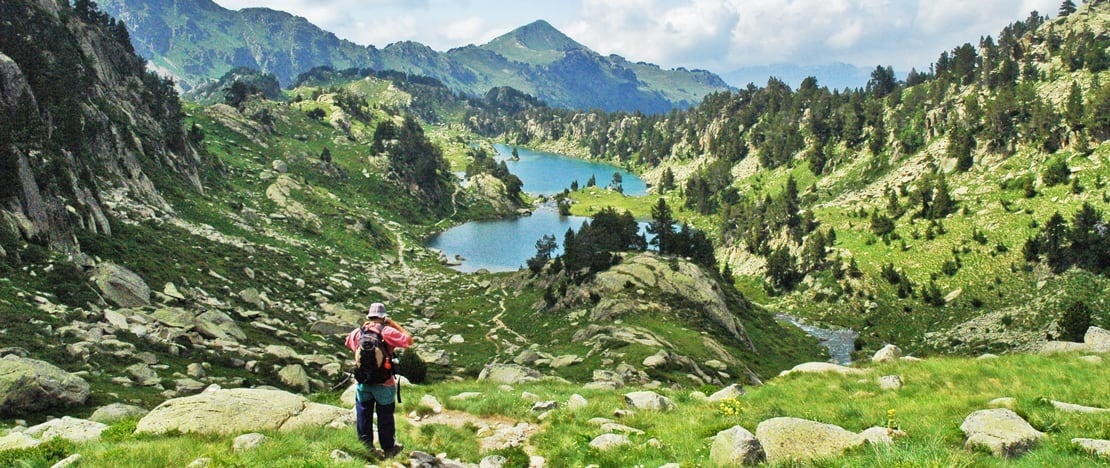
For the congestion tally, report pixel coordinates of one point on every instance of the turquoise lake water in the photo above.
(506, 244)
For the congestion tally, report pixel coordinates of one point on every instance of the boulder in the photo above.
(650, 401)
(175, 317)
(217, 325)
(69, 428)
(121, 286)
(116, 412)
(890, 382)
(822, 367)
(348, 397)
(736, 446)
(576, 402)
(1001, 431)
(239, 410)
(1098, 447)
(295, 377)
(510, 374)
(253, 297)
(887, 353)
(1073, 408)
(729, 392)
(609, 441)
(247, 441)
(564, 361)
(30, 385)
(432, 403)
(142, 375)
(787, 439)
(17, 440)
(548, 405)
(1097, 339)
(881, 435)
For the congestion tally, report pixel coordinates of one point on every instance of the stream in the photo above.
(840, 342)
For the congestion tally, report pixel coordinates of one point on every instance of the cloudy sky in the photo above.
(718, 35)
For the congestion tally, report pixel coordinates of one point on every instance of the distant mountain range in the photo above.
(196, 41)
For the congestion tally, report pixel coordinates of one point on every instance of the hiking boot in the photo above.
(393, 451)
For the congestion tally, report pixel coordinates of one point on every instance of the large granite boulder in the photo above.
(1001, 431)
(736, 446)
(786, 439)
(1096, 340)
(121, 286)
(31, 385)
(240, 410)
(822, 367)
(218, 325)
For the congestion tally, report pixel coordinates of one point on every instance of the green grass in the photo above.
(938, 394)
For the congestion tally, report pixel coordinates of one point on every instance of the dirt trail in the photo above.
(498, 325)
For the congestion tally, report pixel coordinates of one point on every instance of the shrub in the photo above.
(412, 367)
(1074, 323)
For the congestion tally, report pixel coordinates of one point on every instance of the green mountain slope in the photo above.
(958, 211)
(196, 40)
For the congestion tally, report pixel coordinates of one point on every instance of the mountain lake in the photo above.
(506, 244)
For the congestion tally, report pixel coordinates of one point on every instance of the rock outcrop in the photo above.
(30, 385)
(240, 410)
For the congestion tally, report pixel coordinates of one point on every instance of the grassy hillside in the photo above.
(937, 396)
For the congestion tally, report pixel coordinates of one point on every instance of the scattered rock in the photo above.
(788, 439)
(115, 412)
(279, 166)
(17, 440)
(121, 286)
(247, 441)
(648, 400)
(431, 403)
(30, 385)
(295, 377)
(171, 291)
(577, 402)
(142, 375)
(1073, 408)
(1098, 339)
(510, 374)
(1001, 431)
(887, 353)
(542, 406)
(880, 435)
(731, 391)
(340, 456)
(466, 396)
(736, 446)
(609, 441)
(493, 461)
(69, 428)
(890, 382)
(1095, 446)
(201, 462)
(565, 361)
(72, 460)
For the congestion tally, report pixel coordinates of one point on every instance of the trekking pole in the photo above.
(343, 382)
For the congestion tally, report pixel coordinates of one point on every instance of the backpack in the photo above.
(373, 363)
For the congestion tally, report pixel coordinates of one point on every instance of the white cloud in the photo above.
(720, 35)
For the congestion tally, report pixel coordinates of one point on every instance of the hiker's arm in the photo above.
(398, 326)
(396, 336)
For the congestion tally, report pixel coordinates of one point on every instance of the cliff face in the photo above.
(85, 127)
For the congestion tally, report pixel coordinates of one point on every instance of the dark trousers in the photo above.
(364, 423)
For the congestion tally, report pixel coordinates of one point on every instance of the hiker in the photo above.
(380, 398)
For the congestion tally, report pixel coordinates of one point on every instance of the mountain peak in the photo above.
(541, 37)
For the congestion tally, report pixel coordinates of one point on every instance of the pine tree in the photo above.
(661, 226)
(1067, 8)
(1073, 108)
(666, 181)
